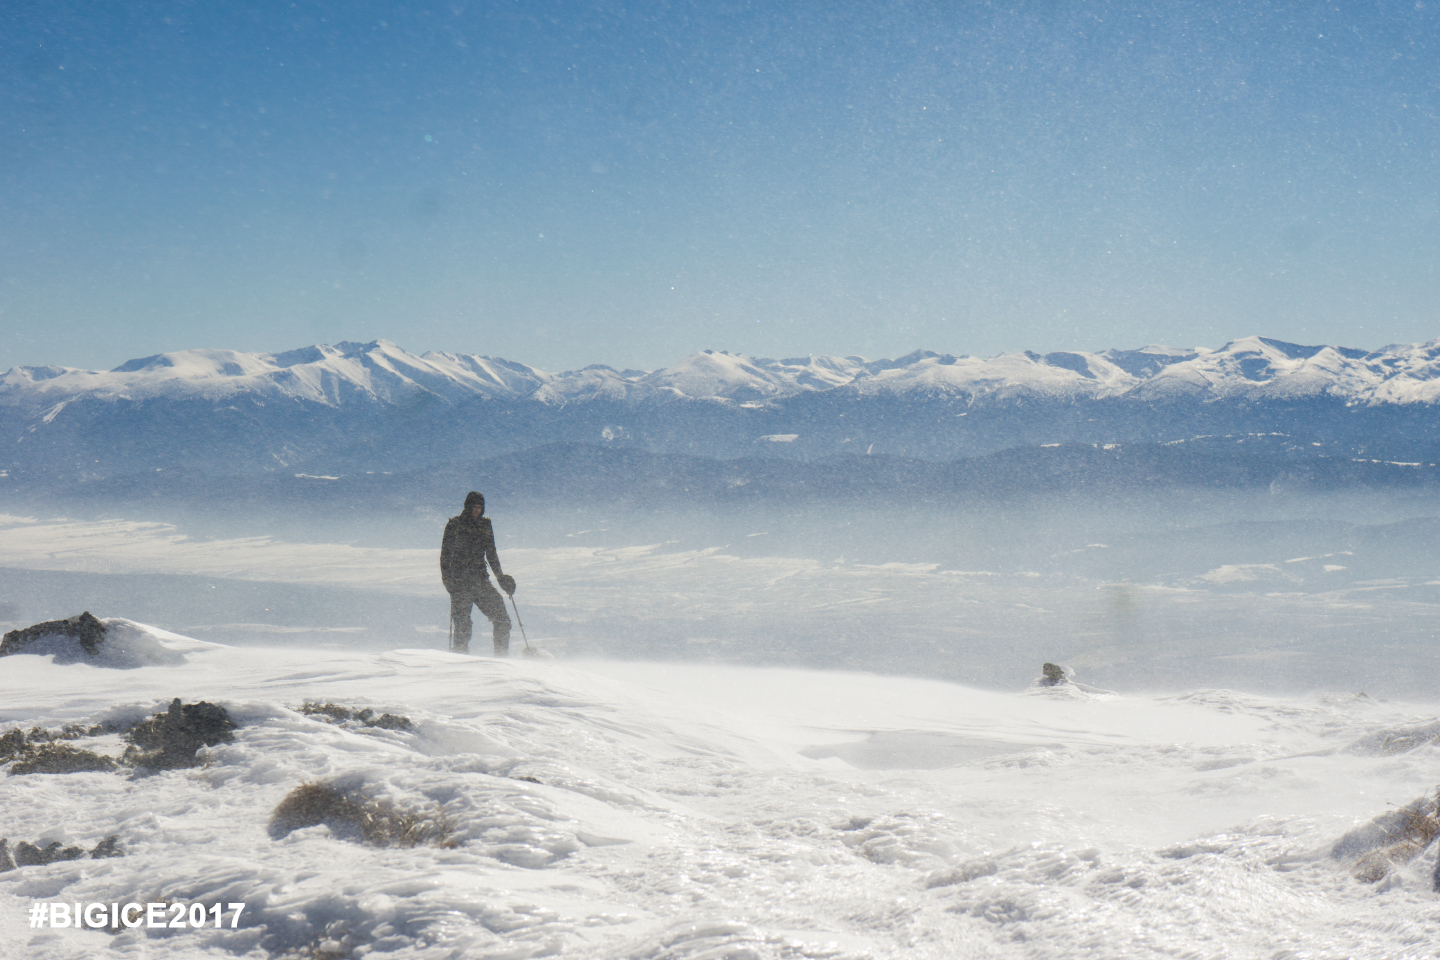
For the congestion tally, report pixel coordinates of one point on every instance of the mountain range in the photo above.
(357, 407)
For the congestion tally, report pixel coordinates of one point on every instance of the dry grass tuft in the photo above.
(335, 713)
(1411, 828)
(376, 823)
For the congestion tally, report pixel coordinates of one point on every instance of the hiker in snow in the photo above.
(469, 542)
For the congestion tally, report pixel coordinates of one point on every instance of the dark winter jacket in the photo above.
(468, 543)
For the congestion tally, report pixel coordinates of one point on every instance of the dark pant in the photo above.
(488, 599)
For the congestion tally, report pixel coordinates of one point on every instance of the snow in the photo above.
(382, 372)
(623, 808)
(1004, 376)
(709, 374)
(127, 645)
(649, 811)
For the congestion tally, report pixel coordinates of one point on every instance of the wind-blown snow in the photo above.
(684, 812)
(1198, 606)
(127, 645)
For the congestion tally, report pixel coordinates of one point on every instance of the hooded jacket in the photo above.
(468, 543)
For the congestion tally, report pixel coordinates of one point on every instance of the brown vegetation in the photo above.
(373, 822)
(335, 713)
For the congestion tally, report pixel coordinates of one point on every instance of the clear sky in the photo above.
(564, 183)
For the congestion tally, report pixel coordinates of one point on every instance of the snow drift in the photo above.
(670, 811)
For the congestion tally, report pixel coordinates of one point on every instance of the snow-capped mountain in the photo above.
(357, 406)
(381, 371)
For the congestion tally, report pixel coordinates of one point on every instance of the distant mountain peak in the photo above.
(380, 371)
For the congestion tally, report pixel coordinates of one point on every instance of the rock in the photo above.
(60, 758)
(32, 855)
(29, 855)
(335, 713)
(169, 741)
(109, 847)
(12, 744)
(1057, 680)
(85, 628)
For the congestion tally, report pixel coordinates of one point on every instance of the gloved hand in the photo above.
(507, 583)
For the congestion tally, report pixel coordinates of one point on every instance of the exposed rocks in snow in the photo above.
(169, 741)
(84, 627)
(373, 822)
(42, 751)
(15, 743)
(109, 847)
(1054, 675)
(34, 855)
(1060, 680)
(112, 642)
(166, 741)
(61, 758)
(1393, 838)
(335, 713)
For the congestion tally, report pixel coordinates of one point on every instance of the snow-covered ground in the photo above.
(1231, 595)
(704, 771)
(641, 810)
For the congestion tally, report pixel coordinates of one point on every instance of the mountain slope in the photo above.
(353, 407)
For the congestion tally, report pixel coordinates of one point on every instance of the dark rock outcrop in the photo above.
(1059, 680)
(335, 713)
(84, 627)
(34, 855)
(30, 855)
(109, 847)
(43, 751)
(61, 758)
(1054, 675)
(169, 741)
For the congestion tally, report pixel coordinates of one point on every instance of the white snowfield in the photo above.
(381, 372)
(684, 812)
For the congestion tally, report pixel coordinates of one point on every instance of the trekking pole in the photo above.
(528, 648)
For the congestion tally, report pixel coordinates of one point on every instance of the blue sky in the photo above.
(568, 183)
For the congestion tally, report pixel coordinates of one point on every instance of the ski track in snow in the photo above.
(686, 812)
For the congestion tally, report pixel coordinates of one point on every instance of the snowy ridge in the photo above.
(380, 372)
(330, 375)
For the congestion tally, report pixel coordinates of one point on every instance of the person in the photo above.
(468, 544)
